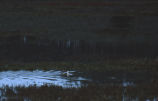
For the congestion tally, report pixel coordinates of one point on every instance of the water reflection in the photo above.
(25, 39)
(72, 78)
(68, 43)
(61, 78)
(29, 48)
(39, 78)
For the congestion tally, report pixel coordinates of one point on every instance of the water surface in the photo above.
(39, 78)
(32, 49)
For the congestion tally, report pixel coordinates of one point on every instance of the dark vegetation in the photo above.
(92, 92)
(113, 65)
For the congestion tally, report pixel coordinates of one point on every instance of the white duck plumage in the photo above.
(68, 73)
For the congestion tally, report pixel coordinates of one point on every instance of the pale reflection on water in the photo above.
(39, 78)
(53, 77)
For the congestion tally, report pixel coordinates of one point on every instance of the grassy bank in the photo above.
(93, 92)
(106, 65)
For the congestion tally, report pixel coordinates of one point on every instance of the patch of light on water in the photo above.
(27, 99)
(127, 83)
(38, 78)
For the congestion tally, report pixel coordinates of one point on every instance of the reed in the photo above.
(106, 65)
(92, 92)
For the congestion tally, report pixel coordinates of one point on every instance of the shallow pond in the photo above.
(68, 79)
(39, 78)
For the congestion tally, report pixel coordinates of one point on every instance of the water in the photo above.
(32, 49)
(39, 78)
(67, 79)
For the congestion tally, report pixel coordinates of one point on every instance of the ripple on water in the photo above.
(38, 78)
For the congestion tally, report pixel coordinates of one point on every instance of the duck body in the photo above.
(68, 73)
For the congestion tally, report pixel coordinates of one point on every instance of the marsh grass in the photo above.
(92, 92)
(104, 65)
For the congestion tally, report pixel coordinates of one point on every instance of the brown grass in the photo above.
(87, 93)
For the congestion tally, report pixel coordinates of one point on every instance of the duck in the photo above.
(68, 73)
